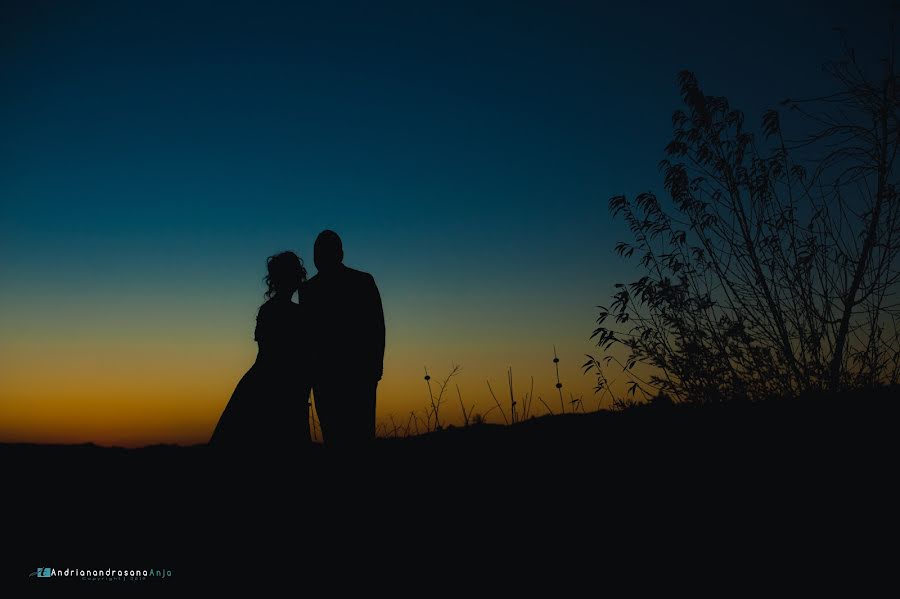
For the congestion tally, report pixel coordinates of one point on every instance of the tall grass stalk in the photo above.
(562, 404)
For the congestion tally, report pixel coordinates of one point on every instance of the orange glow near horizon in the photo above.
(99, 375)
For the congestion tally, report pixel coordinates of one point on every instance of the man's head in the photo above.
(328, 252)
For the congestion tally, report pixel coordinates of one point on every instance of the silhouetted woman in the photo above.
(269, 408)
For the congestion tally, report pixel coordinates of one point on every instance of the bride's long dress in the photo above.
(269, 407)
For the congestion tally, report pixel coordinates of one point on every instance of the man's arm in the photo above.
(378, 329)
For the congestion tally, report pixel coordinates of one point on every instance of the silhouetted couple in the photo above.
(331, 342)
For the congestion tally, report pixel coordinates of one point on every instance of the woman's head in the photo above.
(285, 273)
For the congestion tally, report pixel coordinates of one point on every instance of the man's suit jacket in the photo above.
(345, 320)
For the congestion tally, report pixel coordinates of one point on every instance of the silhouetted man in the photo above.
(346, 324)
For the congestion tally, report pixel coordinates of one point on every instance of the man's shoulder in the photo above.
(336, 280)
(311, 283)
(358, 274)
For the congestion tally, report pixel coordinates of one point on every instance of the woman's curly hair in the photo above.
(284, 270)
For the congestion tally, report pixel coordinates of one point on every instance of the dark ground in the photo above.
(759, 487)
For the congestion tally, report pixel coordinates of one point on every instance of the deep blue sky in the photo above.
(156, 152)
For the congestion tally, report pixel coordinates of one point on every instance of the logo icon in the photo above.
(42, 572)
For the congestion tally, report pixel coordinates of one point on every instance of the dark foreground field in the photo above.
(777, 480)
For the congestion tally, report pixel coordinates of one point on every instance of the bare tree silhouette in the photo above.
(770, 274)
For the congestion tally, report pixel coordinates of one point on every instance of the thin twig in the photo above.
(549, 409)
(497, 402)
(462, 406)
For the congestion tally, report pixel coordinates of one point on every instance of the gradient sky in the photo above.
(153, 154)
